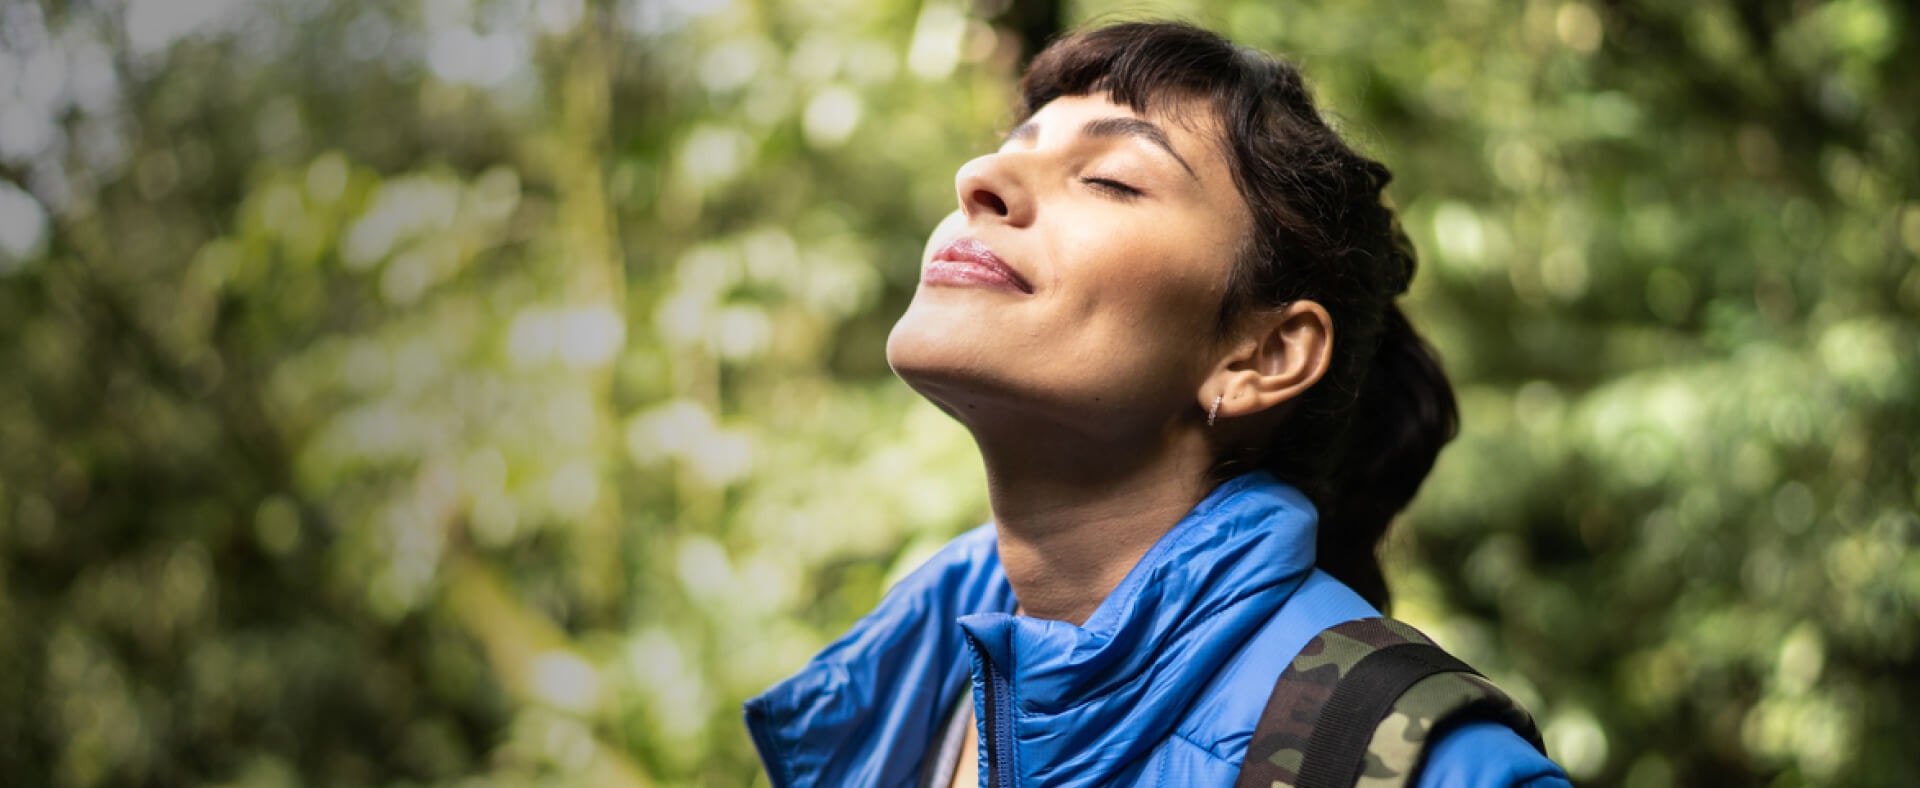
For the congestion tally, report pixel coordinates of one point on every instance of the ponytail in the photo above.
(1404, 414)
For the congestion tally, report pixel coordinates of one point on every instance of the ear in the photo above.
(1279, 356)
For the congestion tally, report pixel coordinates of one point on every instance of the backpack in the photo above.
(1360, 704)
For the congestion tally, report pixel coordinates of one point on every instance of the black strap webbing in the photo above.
(1337, 750)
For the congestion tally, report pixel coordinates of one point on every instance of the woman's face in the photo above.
(1081, 276)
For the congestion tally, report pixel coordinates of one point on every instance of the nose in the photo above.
(991, 189)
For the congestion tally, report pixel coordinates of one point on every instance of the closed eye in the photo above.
(1111, 187)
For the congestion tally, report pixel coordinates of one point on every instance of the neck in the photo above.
(1074, 518)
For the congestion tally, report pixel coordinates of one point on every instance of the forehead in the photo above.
(1190, 123)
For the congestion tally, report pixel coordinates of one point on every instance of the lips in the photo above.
(966, 261)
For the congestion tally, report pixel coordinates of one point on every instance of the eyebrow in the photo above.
(1114, 127)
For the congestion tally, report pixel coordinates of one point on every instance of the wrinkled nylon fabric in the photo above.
(1162, 685)
(864, 711)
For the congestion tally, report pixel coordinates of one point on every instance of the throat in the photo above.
(1066, 544)
(1078, 500)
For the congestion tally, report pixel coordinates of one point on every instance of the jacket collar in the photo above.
(1089, 700)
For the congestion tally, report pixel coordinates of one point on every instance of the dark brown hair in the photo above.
(1361, 440)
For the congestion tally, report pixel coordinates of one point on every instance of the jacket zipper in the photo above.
(999, 716)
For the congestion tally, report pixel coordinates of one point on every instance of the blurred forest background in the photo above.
(491, 392)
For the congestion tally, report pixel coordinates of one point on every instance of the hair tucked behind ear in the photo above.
(1361, 440)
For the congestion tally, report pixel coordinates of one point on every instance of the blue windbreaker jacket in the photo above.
(1161, 686)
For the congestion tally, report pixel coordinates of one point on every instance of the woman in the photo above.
(1165, 311)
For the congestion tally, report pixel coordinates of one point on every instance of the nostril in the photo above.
(990, 200)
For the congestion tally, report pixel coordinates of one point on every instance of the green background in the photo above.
(491, 392)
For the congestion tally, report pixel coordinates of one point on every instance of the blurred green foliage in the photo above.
(473, 392)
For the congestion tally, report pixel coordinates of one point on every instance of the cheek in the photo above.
(1152, 321)
(1170, 277)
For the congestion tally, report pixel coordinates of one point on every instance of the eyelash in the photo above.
(1112, 187)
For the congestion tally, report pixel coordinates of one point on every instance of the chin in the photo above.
(919, 348)
(945, 361)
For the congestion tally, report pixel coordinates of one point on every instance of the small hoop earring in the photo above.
(1214, 412)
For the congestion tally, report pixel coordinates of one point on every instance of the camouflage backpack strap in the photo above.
(1359, 705)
